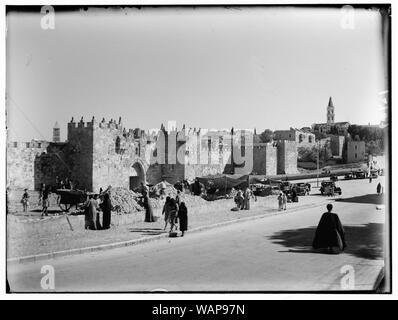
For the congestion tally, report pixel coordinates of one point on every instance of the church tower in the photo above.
(330, 112)
(56, 133)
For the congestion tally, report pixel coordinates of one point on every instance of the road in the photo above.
(269, 254)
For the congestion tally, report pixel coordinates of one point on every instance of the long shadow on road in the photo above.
(363, 241)
(368, 198)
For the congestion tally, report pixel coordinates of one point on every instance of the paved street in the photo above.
(273, 253)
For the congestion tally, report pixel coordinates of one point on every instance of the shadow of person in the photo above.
(363, 241)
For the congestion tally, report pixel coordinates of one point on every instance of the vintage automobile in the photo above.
(285, 187)
(360, 174)
(302, 188)
(333, 177)
(374, 174)
(325, 169)
(327, 188)
(349, 176)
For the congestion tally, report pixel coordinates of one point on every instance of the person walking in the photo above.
(42, 188)
(166, 212)
(239, 200)
(148, 209)
(247, 196)
(284, 198)
(183, 218)
(280, 201)
(330, 234)
(25, 200)
(173, 209)
(106, 207)
(45, 201)
(378, 188)
(92, 218)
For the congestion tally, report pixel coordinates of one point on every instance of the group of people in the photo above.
(91, 212)
(43, 200)
(174, 211)
(64, 183)
(242, 199)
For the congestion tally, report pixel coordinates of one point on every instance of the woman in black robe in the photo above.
(329, 234)
(106, 207)
(183, 217)
(148, 209)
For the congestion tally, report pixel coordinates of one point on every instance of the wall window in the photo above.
(15, 144)
(301, 138)
(356, 156)
(310, 139)
(27, 144)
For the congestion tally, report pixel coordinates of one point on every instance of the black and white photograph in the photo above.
(198, 149)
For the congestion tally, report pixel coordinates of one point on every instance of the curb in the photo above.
(64, 253)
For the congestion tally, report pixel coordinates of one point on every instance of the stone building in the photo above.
(56, 133)
(355, 151)
(330, 126)
(21, 163)
(286, 157)
(97, 154)
(336, 146)
(302, 138)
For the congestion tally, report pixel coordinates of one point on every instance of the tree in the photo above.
(266, 136)
(306, 154)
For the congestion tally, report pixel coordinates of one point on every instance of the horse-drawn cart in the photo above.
(69, 198)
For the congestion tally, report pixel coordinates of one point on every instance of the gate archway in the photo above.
(138, 175)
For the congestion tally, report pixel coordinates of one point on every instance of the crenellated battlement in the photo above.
(33, 144)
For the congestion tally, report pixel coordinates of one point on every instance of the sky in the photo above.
(218, 68)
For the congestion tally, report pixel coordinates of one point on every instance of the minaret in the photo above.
(56, 133)
(330, 112)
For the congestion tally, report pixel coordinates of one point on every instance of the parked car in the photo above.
(349, 176)
(326, 187)
(302, 188)
(285, 187)
(360, 174)
(325, 170)
(333, 177)
(374, 174)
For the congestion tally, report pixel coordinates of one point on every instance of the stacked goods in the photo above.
(170, 191)
(125, 200)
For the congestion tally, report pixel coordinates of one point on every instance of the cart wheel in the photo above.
(65, 206)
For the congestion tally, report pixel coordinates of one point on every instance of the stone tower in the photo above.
(56, 133)
(330, 112)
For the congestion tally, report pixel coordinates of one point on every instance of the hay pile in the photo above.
(125, 200)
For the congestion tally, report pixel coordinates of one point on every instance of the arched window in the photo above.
(117, 145)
